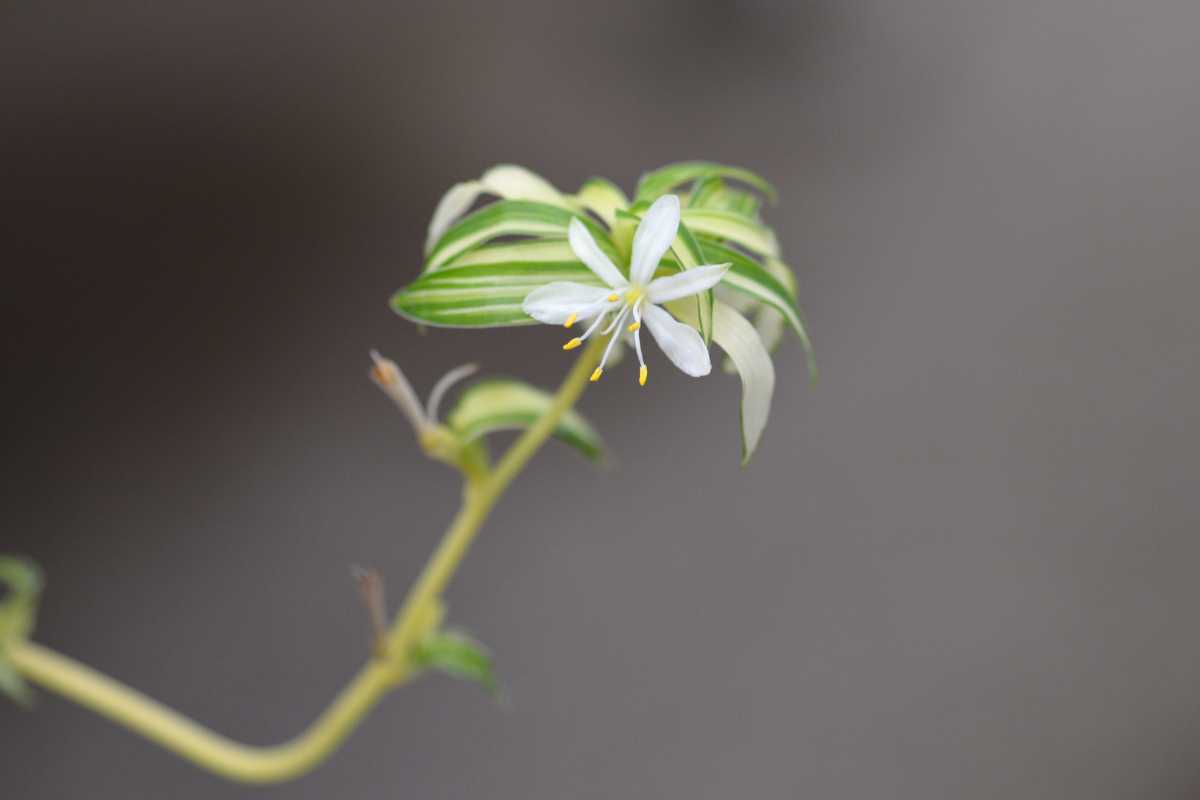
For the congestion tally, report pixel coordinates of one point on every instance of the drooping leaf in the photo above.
(526, 251)
(507, 181)
(483, 295)
(714, 193)
(603, 198)
(662, 180)
(765, 284)
(504, 404)
(734, 334)
(502, 218)
(458, 655)
(736, 228)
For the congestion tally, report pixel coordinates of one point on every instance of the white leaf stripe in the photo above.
(734, 334)
(732, 227)
(749, 277)
(486, 295)
(603, 198)
(508, 218)
(664, 179)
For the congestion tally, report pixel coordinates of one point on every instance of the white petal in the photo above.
(653, 238)
(457, 199)
(555, 302)
(689, 282)
(681, 343)
(592, 256)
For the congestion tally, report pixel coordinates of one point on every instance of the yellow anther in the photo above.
(634, 326)
(570, 320)
(596, 375)
(642, 376)
(612, 298)
(571, 345)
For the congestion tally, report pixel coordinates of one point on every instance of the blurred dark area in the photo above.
(963, 565)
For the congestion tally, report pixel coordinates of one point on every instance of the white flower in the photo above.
(564, 302)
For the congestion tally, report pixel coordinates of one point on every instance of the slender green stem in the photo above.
(420, 612)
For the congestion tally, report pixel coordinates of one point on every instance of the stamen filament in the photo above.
(616, 322)
(637, 341)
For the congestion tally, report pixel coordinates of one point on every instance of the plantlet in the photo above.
(687, 258)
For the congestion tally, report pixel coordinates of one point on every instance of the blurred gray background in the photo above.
(964, 565)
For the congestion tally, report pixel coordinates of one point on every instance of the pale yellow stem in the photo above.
(420, 612)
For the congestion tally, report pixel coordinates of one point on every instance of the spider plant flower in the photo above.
(629, 302)
(498, 243)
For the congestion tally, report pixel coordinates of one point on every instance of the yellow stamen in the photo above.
(571, 345)
(570, 320)
(612, 298)
(642, 376)
(634, 326)
(596, 375)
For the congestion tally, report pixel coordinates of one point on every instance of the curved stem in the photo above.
(420, 612)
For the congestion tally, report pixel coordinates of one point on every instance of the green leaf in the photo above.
(22, 585)
(505, 404)
(487, 295)
(13, 685)
(502, 218)
(458, 655)
(732, 227)
(526, 251)
(509, 218)
(734, 334)
(765, 285)
(660, 181)
(603, 198)
(715, 194)
(507, 181)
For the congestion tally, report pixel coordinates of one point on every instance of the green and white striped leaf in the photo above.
(527, 251)
(510, 218)
(766, 285)
(602, 197)
(507, 181)
(660, 181)
(482, 295)
(715, 194)
(736, 228)
(505, 404)
(734, 334)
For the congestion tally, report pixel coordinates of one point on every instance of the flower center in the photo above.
(634, 293)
